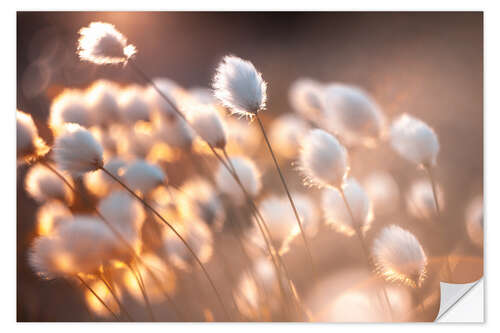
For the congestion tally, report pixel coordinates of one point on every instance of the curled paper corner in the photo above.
(451, 294)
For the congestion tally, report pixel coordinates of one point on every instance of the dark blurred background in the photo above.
(429, 64)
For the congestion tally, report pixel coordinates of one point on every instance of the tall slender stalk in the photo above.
(290, 199)
(258, 219)
(366, 253)
(97, 296)
(148, 206)
(432, 179)
(140, 282)
(115, 297)
(117, 235)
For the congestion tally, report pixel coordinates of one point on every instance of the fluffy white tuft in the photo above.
(399, 256)
(414, 140)
(247, 173)
(208, 124)
(50, 216)
(286, 134)
(383, 192)
(199, 200)
(43, 185)
(420, 199)
(474, 217)
(307, 99)
(337, 214)
(323, 160)
(69, 107)
(197, 235)
(79, 246)
(239, 86)
(77, 151)
(29, 145)
(176, 133)
(101, 43)
(353, 114)
(133, 105)
(102, 100)
(99, 183)
(127, 215)
(143, 176)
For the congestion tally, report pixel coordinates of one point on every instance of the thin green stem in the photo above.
(148, 206)
(290, 199)
(97, 296)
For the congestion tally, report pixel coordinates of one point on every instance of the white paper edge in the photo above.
(462, 303)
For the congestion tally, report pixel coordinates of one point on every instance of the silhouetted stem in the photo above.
(115, 297)
(359, 234)
(117, 235)
(140, 282)
(148, 206)
(285, 186)
(97, 296)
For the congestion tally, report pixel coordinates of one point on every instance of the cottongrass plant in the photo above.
(474, 221)
(240, 88)
(400, 258)
(30, 146)
(121, 140)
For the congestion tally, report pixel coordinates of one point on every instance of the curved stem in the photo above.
(115, 297)
(146, 78)
(148, 206)
(285, 186)
(97, 296)
(432, 179)
(258, 219)
(140, 282)
(117, 235)
(366, 253)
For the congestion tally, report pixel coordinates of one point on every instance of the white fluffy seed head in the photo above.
(420, 199)
(102, 100)
(383, 192)
(29, 145)
(323, 160)
(77, 151)
(99, 183)
(80, 245)
(199, 200)
(474, 217)
(50, 216)
(208, 124)
(127, 215)
(133, 105)
(169, 88)
(399, 257)
(336, 213)
(43, 185)
(143, 176)
(286, 134)
(197, 235)
(353, 114)
(414, 140)
(240, 87)
(69, 107)
(175, 132)
(248, 174)
(101, 44)
(281, 220)
(307, 99)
